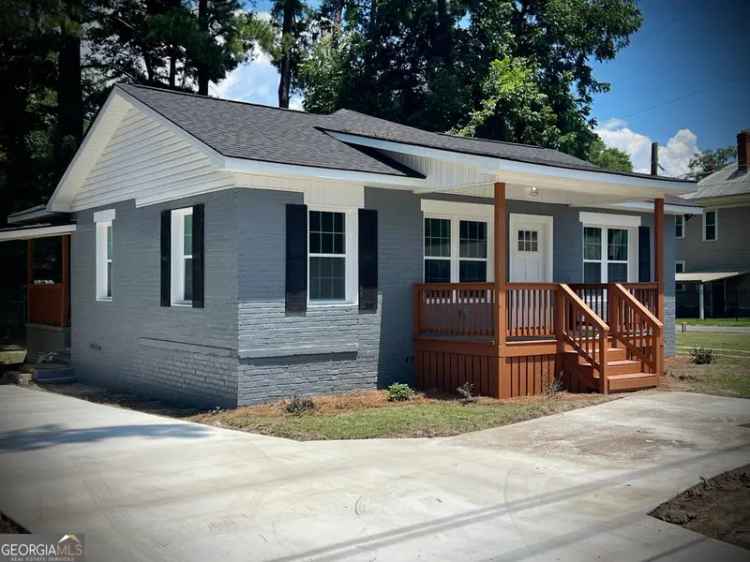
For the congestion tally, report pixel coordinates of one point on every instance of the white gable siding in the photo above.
(144, 158)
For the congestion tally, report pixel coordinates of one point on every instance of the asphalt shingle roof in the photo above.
(730, 180)
(258, 132)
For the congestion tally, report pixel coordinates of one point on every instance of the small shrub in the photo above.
(553, 389)
(399, 392)
(702, 356)
(298, 406)
(465, 391)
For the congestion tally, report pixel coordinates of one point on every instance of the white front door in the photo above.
(530, 248)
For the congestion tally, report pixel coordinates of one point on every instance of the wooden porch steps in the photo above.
(632, 381)
(622, 374)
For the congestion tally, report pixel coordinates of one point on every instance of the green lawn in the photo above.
(733, 322)
(423, 418)
(729, 375)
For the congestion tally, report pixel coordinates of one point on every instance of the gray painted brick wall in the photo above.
(106, 336)
(242, 347)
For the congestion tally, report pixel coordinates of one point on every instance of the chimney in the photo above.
(654, 158)
(743, 150)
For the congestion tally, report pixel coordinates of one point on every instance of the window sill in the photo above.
(330, 304)
(104, 299)
(182, 304)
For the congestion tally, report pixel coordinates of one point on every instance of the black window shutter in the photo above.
(296, 259)
(198, 256)
(644, 254)
(166, 257)
(368, 260)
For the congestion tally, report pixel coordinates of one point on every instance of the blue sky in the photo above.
(682, 82)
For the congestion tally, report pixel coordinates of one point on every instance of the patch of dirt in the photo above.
(718, 508)
(10, 527)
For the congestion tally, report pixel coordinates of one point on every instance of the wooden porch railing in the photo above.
(637, 328)
(645, 293)
(455, 309)
(594, 295)
(584, 330)
(531, 309)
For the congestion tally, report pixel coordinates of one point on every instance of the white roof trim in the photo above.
(511, 170)
(643, 206)
(609, 219)
(40, 232)
(273, 168)
(706, 277)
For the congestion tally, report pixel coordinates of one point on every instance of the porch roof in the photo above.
(32, 231)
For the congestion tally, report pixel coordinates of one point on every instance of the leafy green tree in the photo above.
(609, 158)
(710, 161)
(172, 43)
(436, 64)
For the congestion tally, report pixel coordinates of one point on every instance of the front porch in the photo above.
(514, 339)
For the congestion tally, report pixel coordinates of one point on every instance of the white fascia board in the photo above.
(643, 206)
(31, 233)
(490, 165)
(106, 122)
(276, 169)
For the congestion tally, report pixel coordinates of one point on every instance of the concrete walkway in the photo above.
(575, 486)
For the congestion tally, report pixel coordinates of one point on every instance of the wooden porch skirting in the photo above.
(526, 369)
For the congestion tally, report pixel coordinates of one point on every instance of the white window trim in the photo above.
(351, 267)
(608, 220)
(681, 220)
(715, 211)
(455, 247)
(177, 261)
(103, 220)
(679, 262)
(632, 261)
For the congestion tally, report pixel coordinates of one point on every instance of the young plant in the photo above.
(465, 391)
(399, 392)
(702, 356)
(298, 406)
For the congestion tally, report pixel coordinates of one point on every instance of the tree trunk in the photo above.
(285, 81)
(172, 70)
(69, 89)
(203, 26)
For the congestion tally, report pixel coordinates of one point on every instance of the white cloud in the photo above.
(673, 157)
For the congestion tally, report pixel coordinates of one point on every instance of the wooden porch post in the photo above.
(501, 261)
(659, 274)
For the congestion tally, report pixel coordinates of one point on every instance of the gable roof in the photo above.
(258, 132)
(728, 181)
(270, 134)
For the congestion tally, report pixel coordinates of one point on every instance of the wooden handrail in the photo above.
(583, 307)
(647, 314)
(637, 328)
(575, 324)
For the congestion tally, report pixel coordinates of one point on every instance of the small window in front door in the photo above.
(528, 241)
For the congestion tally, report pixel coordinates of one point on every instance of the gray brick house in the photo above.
(227, 253)
(712, 250)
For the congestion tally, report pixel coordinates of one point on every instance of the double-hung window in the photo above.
(679, 226)
(605, 254)
(455, 250)
(710, 225)
(104, 254)
(331, 259)
(182, 256)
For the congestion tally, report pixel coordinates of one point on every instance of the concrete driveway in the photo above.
(575, 486)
